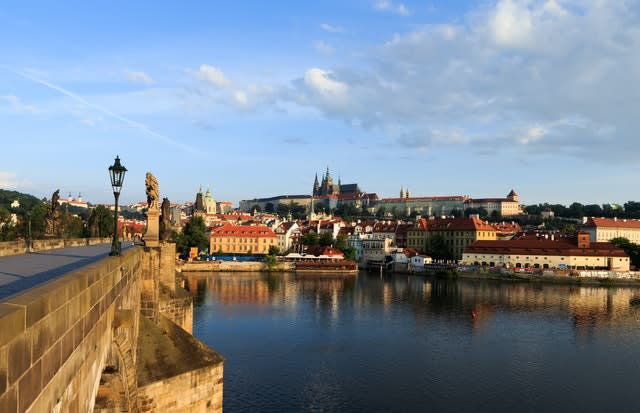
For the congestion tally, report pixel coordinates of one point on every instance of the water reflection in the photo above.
(412, 343)
(467, 301)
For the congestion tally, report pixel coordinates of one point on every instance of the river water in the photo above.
(416, 344)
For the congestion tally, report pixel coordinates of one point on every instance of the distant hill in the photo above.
(26, 201)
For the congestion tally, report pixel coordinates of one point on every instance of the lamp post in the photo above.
(116, 173)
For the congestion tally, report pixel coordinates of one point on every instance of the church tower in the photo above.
(316, 186)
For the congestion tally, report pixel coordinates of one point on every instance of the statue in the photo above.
(165, 221)
(93, 224)
(153, 192)
(52, 219)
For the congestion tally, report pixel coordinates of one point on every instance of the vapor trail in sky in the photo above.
(80, 99)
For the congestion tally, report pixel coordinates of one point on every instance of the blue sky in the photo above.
(252, 98)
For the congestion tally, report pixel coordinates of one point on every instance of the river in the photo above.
(415, 344)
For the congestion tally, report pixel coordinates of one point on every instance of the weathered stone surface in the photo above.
(12, 322)
(29, 386)
(60, 336)
(19, 357)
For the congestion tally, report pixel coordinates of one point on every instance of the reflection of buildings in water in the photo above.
(598, 307)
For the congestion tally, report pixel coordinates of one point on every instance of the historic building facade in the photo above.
(562, 253)
(242, 239)
(606, 229)
(457, 233)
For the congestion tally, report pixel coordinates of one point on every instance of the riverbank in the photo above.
(346, 267)
(542, 279)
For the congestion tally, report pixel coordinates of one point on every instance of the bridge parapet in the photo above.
(55, 338)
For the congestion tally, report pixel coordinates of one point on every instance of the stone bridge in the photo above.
(112, 336)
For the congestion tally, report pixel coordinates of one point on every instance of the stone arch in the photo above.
(118, 384)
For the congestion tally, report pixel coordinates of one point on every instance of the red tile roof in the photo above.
(544, 247)
(612, 223)
(254, 231)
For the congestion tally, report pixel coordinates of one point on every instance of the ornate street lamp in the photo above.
(116, 173)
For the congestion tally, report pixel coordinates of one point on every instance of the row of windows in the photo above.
(241, 240)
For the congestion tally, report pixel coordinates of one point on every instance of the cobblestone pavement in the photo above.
(21, 272)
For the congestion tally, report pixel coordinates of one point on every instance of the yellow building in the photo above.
(457, 233)
(606, 229)
(581, 254)
(508, 206)
(242, 239)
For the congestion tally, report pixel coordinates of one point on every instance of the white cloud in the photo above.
(386, 5)
(138, 77)
(241, 97)
(17, 106)
(211, 75)
(511, 23)
(532, 134)
(331, 29)
(322, 82)
(541, 76)
(323, 47)
(8, 180)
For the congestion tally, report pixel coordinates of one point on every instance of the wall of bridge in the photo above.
(22, 247)
(55, 338)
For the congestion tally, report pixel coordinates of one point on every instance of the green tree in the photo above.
(310, 238)
(325, 239)
(194, 234)
(631, 249)
(274, 250)
(437, 248)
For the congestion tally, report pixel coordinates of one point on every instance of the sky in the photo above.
(253, 98)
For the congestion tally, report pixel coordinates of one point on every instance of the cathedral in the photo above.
(326, 187)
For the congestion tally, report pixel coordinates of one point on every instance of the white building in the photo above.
(606, 229)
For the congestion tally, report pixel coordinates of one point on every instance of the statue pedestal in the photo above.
(151, 237)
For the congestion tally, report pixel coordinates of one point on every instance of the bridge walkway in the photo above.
(21, 272)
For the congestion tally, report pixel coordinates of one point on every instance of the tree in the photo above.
(437, 248)
(325, 239)
(274, 250)
(631, 249)
(310, 238)
(268, 207)
(495, 215)
(194, 234)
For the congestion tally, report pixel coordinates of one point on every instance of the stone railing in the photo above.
(22, 247)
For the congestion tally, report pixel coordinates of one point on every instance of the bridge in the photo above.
(81, 331)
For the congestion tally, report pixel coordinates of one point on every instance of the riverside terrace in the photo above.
(76, 342)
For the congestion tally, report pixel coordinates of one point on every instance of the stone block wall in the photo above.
(21, 247)
(55, 338)
(178, 309)
(12, 248)
(195, 391)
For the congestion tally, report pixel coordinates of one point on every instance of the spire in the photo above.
(401, 192)
(328, 174)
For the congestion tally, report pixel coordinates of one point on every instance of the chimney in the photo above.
(583, 239)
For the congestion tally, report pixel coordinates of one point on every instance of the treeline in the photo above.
(74, 222)
(630, 209)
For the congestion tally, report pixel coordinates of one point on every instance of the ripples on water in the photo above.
(413, 344)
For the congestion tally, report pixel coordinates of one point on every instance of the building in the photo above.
(286, 233)
(606, 229)
(426, 205)
(271, 204)
(456, 233)
(374, 250)
(242, 239)
(505, 207)
(545, 252)
(76, 202)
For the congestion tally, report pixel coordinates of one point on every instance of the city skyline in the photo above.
(253, 99)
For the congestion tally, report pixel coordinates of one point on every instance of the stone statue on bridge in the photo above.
(165, 221)
(52, 219)
(153, 191)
